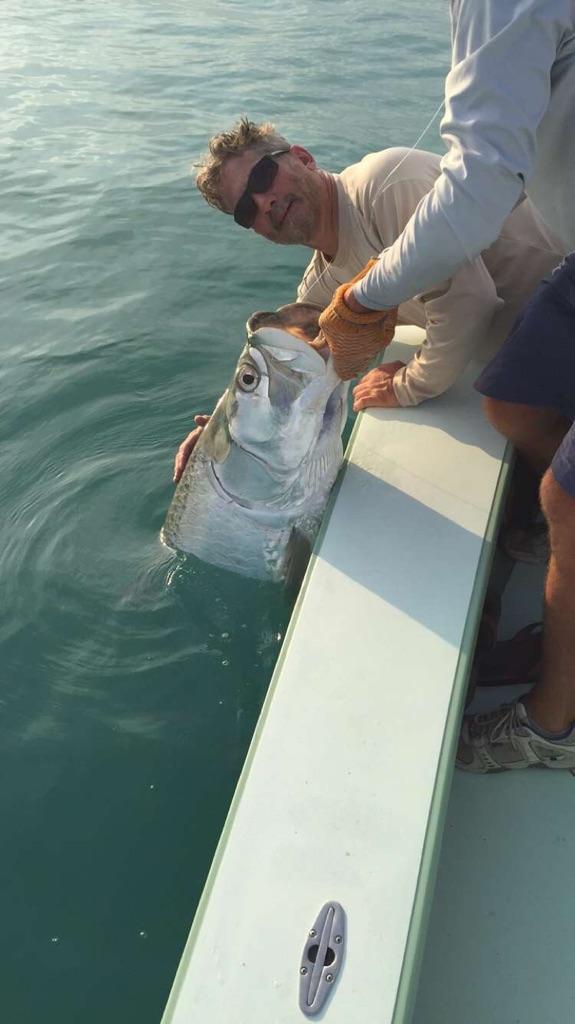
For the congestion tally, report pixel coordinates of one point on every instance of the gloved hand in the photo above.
(354, 338)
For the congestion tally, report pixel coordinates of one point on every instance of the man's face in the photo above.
(292, 208)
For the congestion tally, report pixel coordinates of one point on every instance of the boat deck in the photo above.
(344, 789)
(500, 942)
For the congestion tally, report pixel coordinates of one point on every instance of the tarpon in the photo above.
(252, 495)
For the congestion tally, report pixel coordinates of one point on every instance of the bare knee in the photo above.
(517, 422)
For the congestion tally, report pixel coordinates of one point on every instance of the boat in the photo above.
(500, 935)
(322, 899)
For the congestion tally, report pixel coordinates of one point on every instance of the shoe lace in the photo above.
(496, 726)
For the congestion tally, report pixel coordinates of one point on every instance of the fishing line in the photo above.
(392, 172)
(410, 150)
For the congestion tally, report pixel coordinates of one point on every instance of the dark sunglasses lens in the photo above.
(245, 211)
(261, 178)
(262, 175)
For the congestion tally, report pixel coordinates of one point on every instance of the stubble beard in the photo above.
(299, 226)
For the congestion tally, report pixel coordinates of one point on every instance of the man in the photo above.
(278, 191)
(510, 113)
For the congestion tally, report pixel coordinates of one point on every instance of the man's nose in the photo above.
(264, 201)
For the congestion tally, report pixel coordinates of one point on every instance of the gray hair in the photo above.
(261, 138)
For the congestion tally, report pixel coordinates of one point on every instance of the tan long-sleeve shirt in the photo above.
(470, 314)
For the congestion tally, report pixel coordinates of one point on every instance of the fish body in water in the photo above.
(252, 495)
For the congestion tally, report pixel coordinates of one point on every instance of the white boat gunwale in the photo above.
(420, 907)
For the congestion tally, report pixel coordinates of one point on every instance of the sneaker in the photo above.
(504, 739)
(527, 544)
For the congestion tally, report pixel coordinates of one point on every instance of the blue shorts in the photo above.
(536, 364)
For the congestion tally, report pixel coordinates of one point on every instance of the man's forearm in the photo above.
(430, 248)
(496, 96)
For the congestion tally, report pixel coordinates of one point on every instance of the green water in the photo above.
(131, 680)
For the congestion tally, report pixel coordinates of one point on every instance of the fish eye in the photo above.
(247, 377)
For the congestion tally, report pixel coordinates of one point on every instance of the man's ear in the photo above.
(304, 156)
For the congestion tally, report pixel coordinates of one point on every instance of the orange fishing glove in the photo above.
(354, 338)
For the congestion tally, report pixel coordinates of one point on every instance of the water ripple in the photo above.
(131, 677)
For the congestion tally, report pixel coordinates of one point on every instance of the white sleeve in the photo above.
(495, 96)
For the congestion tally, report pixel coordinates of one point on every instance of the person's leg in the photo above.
(528, 387)
(551, 704)
(535, 432)
(540, 727)
(529, 394)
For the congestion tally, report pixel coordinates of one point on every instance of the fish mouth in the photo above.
(288, 348)
(322, 393)
(298, 352)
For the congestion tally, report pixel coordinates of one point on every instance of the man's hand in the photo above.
(376, 388)
(186, 448)
(354, 335)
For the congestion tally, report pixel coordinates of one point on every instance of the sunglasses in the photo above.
(261, 178)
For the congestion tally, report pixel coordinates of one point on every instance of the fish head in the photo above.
(265, 463)
(284, 394)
